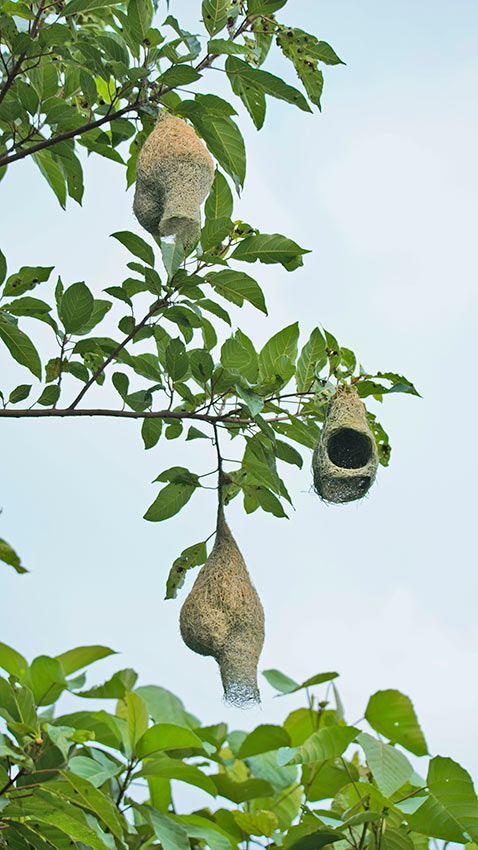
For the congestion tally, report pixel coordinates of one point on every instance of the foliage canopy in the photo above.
(103, 779)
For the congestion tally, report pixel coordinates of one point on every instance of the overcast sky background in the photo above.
(382, 187)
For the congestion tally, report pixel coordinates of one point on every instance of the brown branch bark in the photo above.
(32, 413)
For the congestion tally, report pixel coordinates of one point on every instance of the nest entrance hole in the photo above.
(349, 449)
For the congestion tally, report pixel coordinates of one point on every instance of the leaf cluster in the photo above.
(104, 779)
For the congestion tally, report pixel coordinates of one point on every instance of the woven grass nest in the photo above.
(174, 174)
(345, 459)
(223, 617)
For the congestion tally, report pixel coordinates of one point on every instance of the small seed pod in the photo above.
(174, 174)
(345, 459)
(223, 617)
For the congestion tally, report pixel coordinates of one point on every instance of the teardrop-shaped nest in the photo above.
(345, 459)
(174, 173)
(223, 617)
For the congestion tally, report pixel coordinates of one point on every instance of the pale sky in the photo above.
(382, 187)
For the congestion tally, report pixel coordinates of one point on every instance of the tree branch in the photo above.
(161, 302)
(70, 134)
(33, 413)
(18, 64)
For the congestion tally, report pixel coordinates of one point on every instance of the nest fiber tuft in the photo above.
(223, 617)
(345, 458)
(173, 176)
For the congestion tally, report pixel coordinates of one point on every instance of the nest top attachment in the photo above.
(345, 459)
(223, 617)
(174, 174)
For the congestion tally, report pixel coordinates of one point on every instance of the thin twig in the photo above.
(11, 782)
(161, 302)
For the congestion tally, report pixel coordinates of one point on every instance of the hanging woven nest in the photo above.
(174, 174)
(345, 459)
(223, 617)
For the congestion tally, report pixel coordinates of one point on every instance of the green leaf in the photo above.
(240, 792)
(262, 822)
(121, 683)
(169, 768)
(137, 716)
(47, 679)
(259, 462)
(204, 829)
(214, 232)
(234, 356)
(391, 713)
(26, 278)
(88, 86)
(264, 738)
(215, 14)
(264, 7)
(329, 779)
(265, 83)
(173, 256)
(282, 345)
(390, 768)
(329, 742)
(140, 14)
(306, 434)
(270, 248)
(169, 502)
(311, 360)
(252, 400)
(396, 839)
(177, 362)
(219, 202)
(166, 736)
(97, 773)
(135, 244)
(14, 663)
(10, 557)
(76, 307)
(313, 840)
(80, 791)
(165, 707)
(280, 681)
(3, 266)
(192, 556)
(20, 346)
(202, 367)
(178, 75)
(451, 810)
(76, 6)
(267, 501)
(82, 656)
(52, 172)
(227, 46)
(49, 396)
(100, 308)
(237, 287)
(288, 454)
(225, 142)
(27, 307)
(151, 431)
